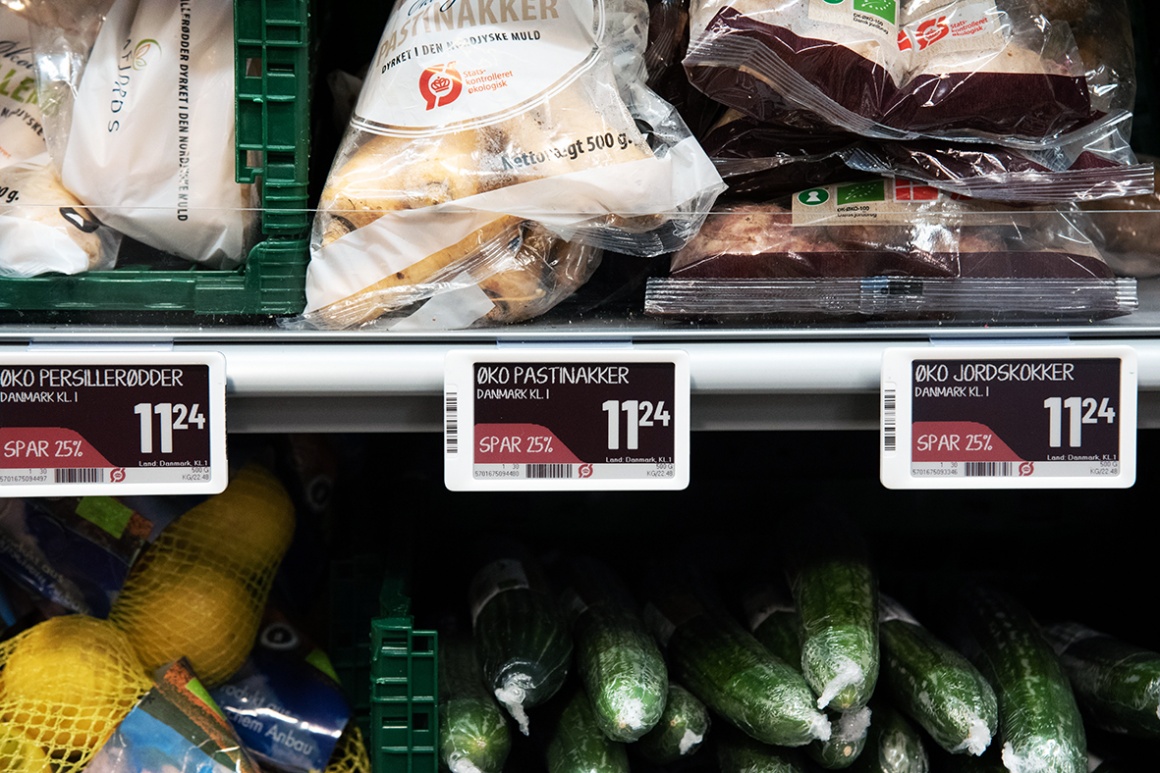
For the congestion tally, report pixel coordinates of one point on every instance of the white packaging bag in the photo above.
(21, 130)
(151, 146)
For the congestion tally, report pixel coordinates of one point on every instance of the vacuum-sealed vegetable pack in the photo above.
(890, 247)
(495, 150)
(997, 70)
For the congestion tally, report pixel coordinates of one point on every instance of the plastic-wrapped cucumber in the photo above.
(894, 746)
(1039, 721)
(935, 684)
(774, 621)
(577, 745)
(720, 662)
(1117, 683)
(617, 658)
(473, 729)
(520, 634)
(683, 727)
(835, 591)
(738, 753)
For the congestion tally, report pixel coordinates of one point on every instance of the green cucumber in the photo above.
(935, 685)
(851, 732)
(617, 658)
(682, 729)
(894, 746)
(720, 662)
(1039, 721)
(577, 744)
(738, 753)
(520, 634)
(774, 622)
(1116, 683)
(835, 590)
(773, 618)
(473, 729)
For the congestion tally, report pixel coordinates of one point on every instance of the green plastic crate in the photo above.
(272, 41)
(404, 719)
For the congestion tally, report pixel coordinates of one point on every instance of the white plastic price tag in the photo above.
(118, 423)
(1009, 416)
(566, 419)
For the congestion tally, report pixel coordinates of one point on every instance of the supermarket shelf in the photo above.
(819, 377)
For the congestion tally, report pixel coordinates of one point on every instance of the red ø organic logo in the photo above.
(440, 85)
(1026, 469)
(117, 475)
(585, 471)
(929, 32)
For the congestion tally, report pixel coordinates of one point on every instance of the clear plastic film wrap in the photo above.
(481, 132)
(147, 74)
(997, 70)
(1117, 683)
(1127, 231)
(890, 248)
(43, 227)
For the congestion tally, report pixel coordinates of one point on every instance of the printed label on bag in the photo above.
(955, 28)
(452, 64)
(878, 16)
(882, 201)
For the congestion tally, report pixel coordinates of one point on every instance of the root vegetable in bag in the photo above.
(151, 144)
(478, 122)
(199, 590)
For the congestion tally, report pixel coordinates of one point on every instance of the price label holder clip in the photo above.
(566, 419)
(115, 422)
(1009, 416)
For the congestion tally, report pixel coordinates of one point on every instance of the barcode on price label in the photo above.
(79, 475)
(1009, 416)
(548, 470)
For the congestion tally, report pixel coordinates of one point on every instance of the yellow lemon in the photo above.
(67, 682)
(172, 608)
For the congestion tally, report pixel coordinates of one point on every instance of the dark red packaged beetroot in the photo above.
(763, 160)
(1096, 163)
(889, 247)
(995, 70)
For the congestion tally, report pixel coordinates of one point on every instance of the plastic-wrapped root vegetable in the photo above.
(199, 590)
(484, 136)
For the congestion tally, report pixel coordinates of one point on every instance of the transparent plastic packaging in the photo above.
(894, 249)
(995, 70)
(525, 123)
(155, 76)
(1127, 231)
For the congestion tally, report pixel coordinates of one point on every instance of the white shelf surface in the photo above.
(741, 380)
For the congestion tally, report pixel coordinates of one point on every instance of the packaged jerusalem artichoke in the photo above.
(495, 150)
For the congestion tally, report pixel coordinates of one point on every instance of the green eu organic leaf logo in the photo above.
(885, 9)
(145, 52)
(872, 190)
(814, 196)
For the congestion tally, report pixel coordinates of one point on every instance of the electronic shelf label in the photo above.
(566, 419)
(1008, 416)
(117, 422)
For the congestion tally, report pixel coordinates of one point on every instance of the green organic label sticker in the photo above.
(871, 190)
(105, 512)
(814, 196)
(883, 9)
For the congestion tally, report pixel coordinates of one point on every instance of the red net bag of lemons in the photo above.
(199, 590)
(66, 684)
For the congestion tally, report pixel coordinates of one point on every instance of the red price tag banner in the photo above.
(80, 423)
(1006, 416)
(571, 419)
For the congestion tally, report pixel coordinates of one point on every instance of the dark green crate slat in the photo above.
(404, 689)
(273, 142)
